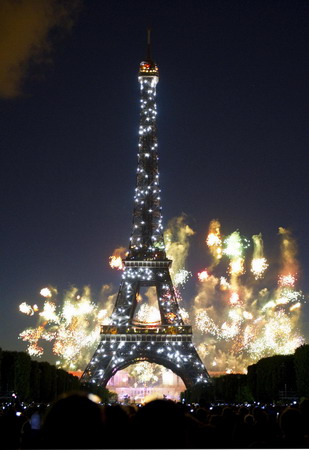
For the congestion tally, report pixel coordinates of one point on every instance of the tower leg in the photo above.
(176, 353)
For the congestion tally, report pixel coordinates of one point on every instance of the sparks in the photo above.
(203, 276)
(26, 309)
(214, 241)
(73, 327)
(148, 314)
(46, 292)
(234, 299)
(287, 280)
(233, 245)
(237, 266)
(182, 277)
(238, 322)
(116, 262)
(258, 267)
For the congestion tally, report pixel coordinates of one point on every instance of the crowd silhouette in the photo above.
(78, 420)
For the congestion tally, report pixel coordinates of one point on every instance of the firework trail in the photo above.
(288, 252)
(177, 244)
(234, 248)
(214, 241)
(258, 263)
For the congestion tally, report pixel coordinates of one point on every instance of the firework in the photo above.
(287, 280)
(234, 298)
(236, 320)
(237, 323)
(181, 277)
(234, 245)
(32, 336)
(234, 248)
(247, 315)
(148, 314)
(144, 372)
(288, 251)
(224, 284)
(258, 267)
(73, 323)
(49, 312)
(237, 266)
(214, 241)
(184, 315)
(116, 260)
(295, 307)
(272, 337)
(46, 292)
(205, 324)
(259, 263)
(176, 238)
(203, 275)
(229, 330)
(26, 309)
(73, 326)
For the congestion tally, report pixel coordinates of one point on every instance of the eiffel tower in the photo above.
(126, 340)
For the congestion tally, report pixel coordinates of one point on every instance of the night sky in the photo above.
(233, 109)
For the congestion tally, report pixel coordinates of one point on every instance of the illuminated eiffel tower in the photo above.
(126, 341)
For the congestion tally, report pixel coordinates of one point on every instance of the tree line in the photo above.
(272, 379)
(40, 382)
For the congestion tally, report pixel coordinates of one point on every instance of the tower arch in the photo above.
(144, 353)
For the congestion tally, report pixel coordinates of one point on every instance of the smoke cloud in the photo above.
(177, 244)
(288, 251)
(27, 34)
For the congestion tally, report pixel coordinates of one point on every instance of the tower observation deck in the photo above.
(124, 341)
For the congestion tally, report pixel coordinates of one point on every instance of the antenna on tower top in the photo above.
(148, 44)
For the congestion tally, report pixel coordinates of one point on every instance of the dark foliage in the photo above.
(271, 377)
(32, 380)
(301, 362)
(232, 388)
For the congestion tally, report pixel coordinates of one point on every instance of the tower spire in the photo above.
(148, 44)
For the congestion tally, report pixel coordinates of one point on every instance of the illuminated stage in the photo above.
(128, 389)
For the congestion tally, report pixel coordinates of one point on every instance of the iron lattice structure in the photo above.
(126, 341)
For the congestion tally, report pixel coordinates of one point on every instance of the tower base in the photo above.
(169, 346)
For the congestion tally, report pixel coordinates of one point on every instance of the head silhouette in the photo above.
(73, 421)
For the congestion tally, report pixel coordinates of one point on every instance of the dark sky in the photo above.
(233, 108)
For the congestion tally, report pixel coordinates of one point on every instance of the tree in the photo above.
(252, 380)
(66, 382)
(232, 388)
(301, 362)
(15, 373)
(47, 382)
(23, 370)
(199, 393)
(271, 375)
(35, 386)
